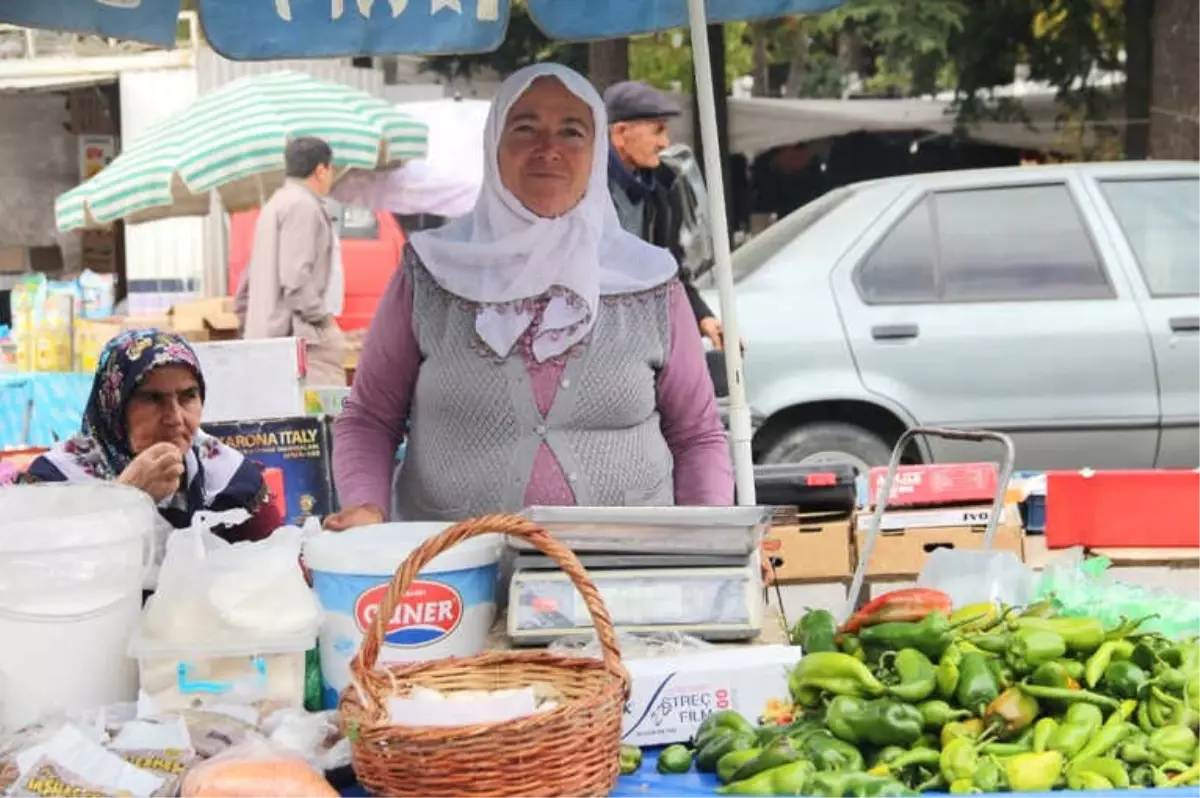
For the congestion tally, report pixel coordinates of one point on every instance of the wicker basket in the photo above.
(572, 750)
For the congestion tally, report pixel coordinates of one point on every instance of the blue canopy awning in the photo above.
(149, 21)
(261, 29)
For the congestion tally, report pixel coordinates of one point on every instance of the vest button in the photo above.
(572, 477)
(566, 382)
(540, 429)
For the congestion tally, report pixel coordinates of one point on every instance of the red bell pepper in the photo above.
(910, 604)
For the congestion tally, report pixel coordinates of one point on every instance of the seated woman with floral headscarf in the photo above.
(141, 427)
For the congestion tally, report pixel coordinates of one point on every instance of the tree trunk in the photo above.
(608, 62)
(798, 62)
(1139, 15)
(1175, 80)
(762, 77)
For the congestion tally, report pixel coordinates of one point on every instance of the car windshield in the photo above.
(755, 252)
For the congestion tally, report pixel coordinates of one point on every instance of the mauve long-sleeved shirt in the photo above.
(373, 419)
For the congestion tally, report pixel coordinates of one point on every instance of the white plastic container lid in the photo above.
(381, 548)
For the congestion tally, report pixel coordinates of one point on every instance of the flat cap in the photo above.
(630, 100)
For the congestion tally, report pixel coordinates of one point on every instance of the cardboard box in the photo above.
(47, 260)
(205, 319)
(91, 336)
(98, 251)
(299, 447)
(12, 260)
(901, 554)
(813, 547)
(253, 379)
(950, 483)
(1176, 570)
(670, 696)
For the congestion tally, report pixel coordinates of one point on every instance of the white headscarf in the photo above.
(502, 254)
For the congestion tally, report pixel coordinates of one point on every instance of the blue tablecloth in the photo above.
(57, 407)
(648, 781)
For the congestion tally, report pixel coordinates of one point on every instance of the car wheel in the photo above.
(830, 443)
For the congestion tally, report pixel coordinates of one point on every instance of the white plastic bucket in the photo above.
(447, 612)
(72, 560)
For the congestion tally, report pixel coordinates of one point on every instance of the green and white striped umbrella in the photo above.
(232, 142)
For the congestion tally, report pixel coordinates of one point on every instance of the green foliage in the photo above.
(665, 59)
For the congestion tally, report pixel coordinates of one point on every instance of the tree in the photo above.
(608, 62)
(665, 59)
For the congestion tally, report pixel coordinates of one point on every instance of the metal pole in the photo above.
(739, 411)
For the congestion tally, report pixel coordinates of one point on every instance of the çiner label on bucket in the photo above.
(428, 612)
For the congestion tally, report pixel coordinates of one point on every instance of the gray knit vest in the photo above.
(476, 429)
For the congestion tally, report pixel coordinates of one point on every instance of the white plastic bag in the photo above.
(211, 591)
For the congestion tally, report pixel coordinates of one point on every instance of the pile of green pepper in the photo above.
(985, 699)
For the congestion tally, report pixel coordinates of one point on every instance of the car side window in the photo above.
(1015, 243)
(901, 267)
(1161, 222)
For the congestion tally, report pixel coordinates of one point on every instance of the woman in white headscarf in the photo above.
(532, 352)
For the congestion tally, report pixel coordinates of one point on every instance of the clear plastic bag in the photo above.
(211, 591)
(974, 577)
(256, 769)
(1079, 585)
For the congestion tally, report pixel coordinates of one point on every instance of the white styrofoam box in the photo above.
(799, 598)
(670, 696)
(246, 380)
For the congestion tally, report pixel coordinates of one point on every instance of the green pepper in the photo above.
(1135, 750)
(1087, 715)
(977, 684)
(829, 753)
(816, 631)
(1112, 770)
(708, 756)
(936, 714)
(887, 754)
(789, 779)
(1033, 772)
(1082, 635)
(1051, 674)
(1087, 780)
(880, 722)
(1127, 627)
(1125, 679)
(1172, 742)
(1043, 730)
(631, 759)
(1070, 696)
(963, 787)
(675, 759)
(781, 752)
(855, 785)
(1097, 664)
(1069, 739)
(1185, 716)
(994, 643)
(850, 645)
(988, 777)
(958, 760)
(729, 764)
(947, 672)
(1074, 668)
(1011, 713)
(918, 757)
(1142, 776)
(1030, 648)
(971, 729)
(915, 674)
(1189, 776)
(832, 672)
(980, 615)
(720, 720)
(931, 635)
(1110, 735)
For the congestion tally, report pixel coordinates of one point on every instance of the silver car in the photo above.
(1059, 304)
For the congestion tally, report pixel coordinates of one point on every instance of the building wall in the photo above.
(39, 160)
(1175, 80)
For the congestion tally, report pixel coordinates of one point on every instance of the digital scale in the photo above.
(692, 570)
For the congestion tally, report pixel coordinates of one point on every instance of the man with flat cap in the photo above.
(653, 201)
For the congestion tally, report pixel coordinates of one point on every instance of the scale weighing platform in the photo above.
(690, 570)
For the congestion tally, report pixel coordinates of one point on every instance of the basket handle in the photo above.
(515, 525)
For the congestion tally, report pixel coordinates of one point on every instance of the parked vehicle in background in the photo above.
(1058, 304)
(371, 247)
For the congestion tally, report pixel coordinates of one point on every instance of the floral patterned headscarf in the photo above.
(217, 476)
(124, 365)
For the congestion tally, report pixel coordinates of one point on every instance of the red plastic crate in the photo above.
(1122, 509)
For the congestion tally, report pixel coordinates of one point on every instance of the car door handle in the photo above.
(894, 332)
(1185, 324)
